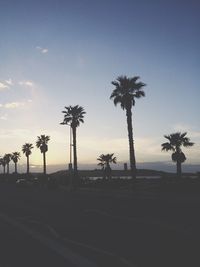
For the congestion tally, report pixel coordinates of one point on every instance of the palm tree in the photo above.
(7, 158)
(176, 140)
(125, 92)
(73, 116)
(3, 163)
(105, 160)
(15, 158)
(41, 143)
(26, 149)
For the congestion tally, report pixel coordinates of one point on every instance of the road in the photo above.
(58, 228)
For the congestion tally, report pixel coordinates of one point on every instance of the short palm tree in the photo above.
(125, 92)
(175, 141)
(7, 158)
(3, 163)
(104, 162)
(41, 143)
(73, 116)
(15, 158)
(26, 149)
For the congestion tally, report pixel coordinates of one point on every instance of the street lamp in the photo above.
(70, 145)
(70, 169)
(70, 149)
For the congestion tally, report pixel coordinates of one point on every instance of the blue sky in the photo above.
(59, 53)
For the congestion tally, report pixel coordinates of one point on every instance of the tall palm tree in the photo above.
(104, 162)
(41, 143)
(125, 92)
(176, 140)
(3, 163)
(73, 116)
(15, 158)
(26, 149)
(7, 158)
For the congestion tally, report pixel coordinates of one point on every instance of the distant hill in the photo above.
(120, 173)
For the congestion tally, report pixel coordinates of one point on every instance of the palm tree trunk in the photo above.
(4, 169)
(76, 180)
(178, 169)
(27, 164)
(108, 171)
(15, 167)
(44, 162)
(7, 168)
(131, 143)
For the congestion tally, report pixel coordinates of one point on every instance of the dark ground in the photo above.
(149, 226)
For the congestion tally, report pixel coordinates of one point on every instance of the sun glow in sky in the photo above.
(59, 53)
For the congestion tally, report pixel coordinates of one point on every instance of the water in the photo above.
(124, 177)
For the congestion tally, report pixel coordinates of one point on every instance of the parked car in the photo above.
(22, 182)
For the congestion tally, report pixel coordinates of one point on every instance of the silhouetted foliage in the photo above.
(104, 162)
(73, 116)
(3, 163)
(176, 140)
(125, 92)
(15, 158)
(7, 158)
(26, 149)
(41, 143)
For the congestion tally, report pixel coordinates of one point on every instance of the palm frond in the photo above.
(126, 90)
(73, 115)
(167, 147)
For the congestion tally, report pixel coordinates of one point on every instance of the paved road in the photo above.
(107, 230)
(19, 249)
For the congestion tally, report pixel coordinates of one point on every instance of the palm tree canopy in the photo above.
(105, 159)
(15, 157)
(126, 90)
(178, 157)
(42, 142)
(7, 158)
(3, 161)
(26, 149)
(73, 115)
(176, 140)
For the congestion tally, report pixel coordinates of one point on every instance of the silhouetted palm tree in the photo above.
(176, 140)
(26, 149)
(3, 163)
(125, 92)
(105, 160)
(42, 144)
(73, 116)
(15, 158)
(7, 158)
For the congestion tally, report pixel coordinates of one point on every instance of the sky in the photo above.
(59, 53)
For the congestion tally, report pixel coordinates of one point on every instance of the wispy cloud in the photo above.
(14, 105)
(26, 83)
(9, 82)
(42, 50)
(3, 86)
